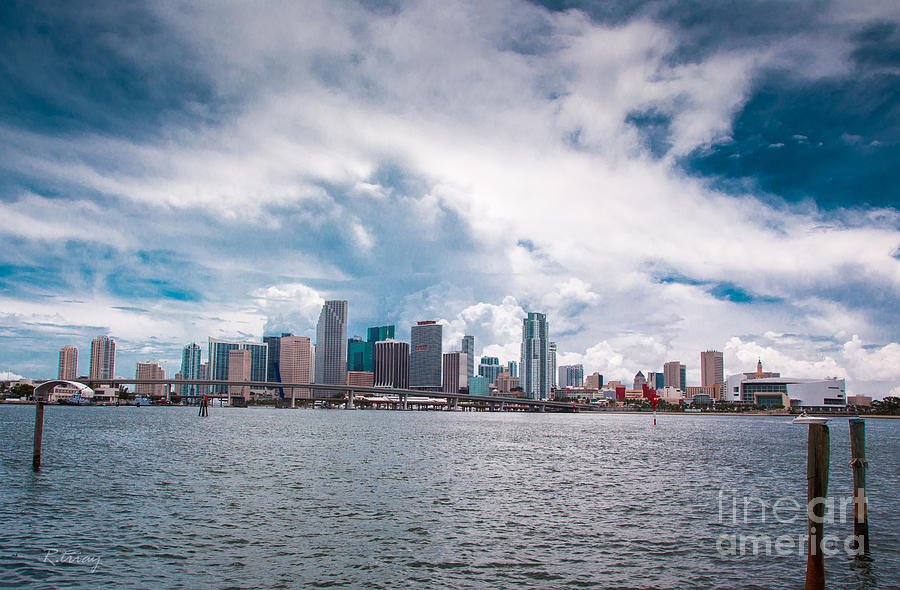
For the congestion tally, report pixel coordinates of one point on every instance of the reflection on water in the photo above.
(157, 497)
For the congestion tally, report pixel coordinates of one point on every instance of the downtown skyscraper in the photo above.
(190, 369)
(425, 356)
(712, 368)
(392, 364)
(534, 364)
(468, 347)
(331, 344)
(103, 358)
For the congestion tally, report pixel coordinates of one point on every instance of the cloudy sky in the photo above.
(660, 178)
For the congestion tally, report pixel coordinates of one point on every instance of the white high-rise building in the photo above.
(331, 344)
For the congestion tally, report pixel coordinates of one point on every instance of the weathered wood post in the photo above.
(816, 491)
(38, 432)
(859, 464)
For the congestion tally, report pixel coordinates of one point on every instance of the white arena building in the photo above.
(824, 394)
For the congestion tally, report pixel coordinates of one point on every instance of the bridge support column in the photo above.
(403, 399)
(541, 408)
(349, 405)
(451, 403)
(502, 406)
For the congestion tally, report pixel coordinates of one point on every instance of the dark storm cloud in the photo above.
(110, 67)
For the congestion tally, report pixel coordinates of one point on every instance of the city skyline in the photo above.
(732, 173)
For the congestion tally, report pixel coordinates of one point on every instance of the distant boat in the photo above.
(75, 400)
(803, 418)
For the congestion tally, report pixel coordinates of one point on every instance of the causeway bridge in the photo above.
(346, 394)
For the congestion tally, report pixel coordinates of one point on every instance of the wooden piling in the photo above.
(38, 434)
(816, 490)
(859, 464)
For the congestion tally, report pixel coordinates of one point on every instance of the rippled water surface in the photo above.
(249, 498)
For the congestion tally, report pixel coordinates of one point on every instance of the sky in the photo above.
(660, 178)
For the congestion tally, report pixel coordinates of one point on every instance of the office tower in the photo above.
(68, 363)
(203, 375)
(295, 364)
(273, 357)
(570, 376)
(534, 363)
(551, 360)
(577, 378)
(360, 355)
(656, 380)
(594, 381)
(425, 352)
(468, 347)
(392, 364)
(513, 369)
(331, 344)
(639, 381)
(240, 368)
(150, 370)
(190, 369)
(103, 358)
(674, 373)
(379, 333)
(489, 367)
(455, 375)
(712, 368)
(219, 359)
(312, 360)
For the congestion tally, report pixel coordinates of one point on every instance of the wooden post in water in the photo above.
(38, 433)
(859, 464)
(816, 491)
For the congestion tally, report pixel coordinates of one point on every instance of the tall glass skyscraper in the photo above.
(468, 347)
(218, 359)
(534, 364)
(190, 369)
(331, 344)
(379, 333)
(489, 367)
(361, 353)
(426, 356)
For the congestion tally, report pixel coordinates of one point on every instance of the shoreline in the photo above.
(599, 412)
